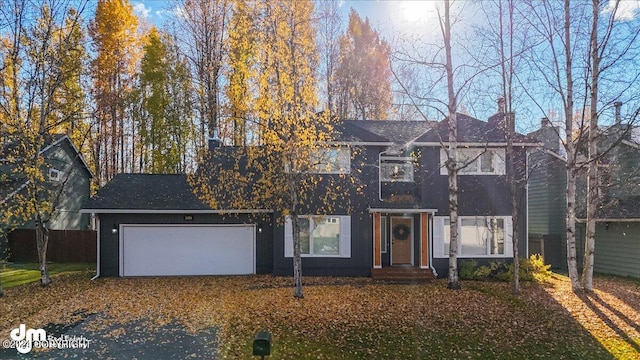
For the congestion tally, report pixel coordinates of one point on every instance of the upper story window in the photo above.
(55, 174)
(396, 169)
(476, 161)
(333, 160)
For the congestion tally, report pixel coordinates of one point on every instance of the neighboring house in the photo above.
(66, 171)
(154, 224)
(547, 184)
(618, 218)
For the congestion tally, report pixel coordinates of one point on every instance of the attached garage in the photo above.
(162, 250)
(154, 225)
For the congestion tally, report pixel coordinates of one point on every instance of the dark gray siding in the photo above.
(481, 195)
(76, 188)
(354, 203)
(109, 242)
(359, 264)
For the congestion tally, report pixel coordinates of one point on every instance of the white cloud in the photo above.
(141, 10)
(627, 9)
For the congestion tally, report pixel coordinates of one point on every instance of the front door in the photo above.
(401, 240)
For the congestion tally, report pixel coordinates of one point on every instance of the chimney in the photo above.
(617, 105)
(501, 105)
(214, 141)
(545, 122)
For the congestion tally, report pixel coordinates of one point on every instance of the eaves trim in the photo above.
(175, 211)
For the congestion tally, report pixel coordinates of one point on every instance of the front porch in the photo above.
(401, 244)
(403, 273)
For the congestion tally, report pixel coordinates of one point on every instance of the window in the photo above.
(335, 160)
(396, 169)
(55, 174)
(479, 161)
(479, 236)
(320, 236)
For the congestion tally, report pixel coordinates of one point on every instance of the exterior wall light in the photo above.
(114, 230)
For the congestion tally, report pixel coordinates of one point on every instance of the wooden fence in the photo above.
(65, 246)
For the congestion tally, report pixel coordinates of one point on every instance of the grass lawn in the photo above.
(14, 274)
(351, 318)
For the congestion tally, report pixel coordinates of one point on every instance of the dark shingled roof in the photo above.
(398, 132)
(473, 130)
(148, 192)
(615, 208)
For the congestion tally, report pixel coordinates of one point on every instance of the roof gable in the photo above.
(472, 130)
(389, 131)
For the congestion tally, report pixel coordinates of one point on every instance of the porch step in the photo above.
(403, 274)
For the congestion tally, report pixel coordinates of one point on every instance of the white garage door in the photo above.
(154, 250)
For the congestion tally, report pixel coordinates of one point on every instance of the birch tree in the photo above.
(451, 162)
(570, 62)
(555, 28)
(586, 280)
(437, 60)
(281, 173)
(503, 39)
(36, 49)
(613, 75)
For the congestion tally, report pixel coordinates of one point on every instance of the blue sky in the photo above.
(398, 20)
(390, 17)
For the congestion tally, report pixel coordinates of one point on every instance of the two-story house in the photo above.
(155, 225)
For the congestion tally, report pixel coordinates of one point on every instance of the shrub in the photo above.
(532, 269)
(466, 269)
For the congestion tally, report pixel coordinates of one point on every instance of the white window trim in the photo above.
(345, 238)
(438, 238)
(343, 161)
(397, 161)
(499, 160)
(55, 175)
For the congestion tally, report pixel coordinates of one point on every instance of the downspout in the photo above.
(380, 175)
(97, 229)
(433, 269)
(526, 208)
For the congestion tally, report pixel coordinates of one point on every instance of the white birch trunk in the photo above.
(42, 241)
(592, 170)
(297, 258)
(452, 166)
(515, 214)
(571, 162)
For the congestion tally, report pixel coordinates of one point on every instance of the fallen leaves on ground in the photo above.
(351, 317)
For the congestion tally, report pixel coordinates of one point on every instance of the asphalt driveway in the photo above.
(170, 341)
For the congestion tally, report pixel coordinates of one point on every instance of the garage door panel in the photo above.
(157, 250)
